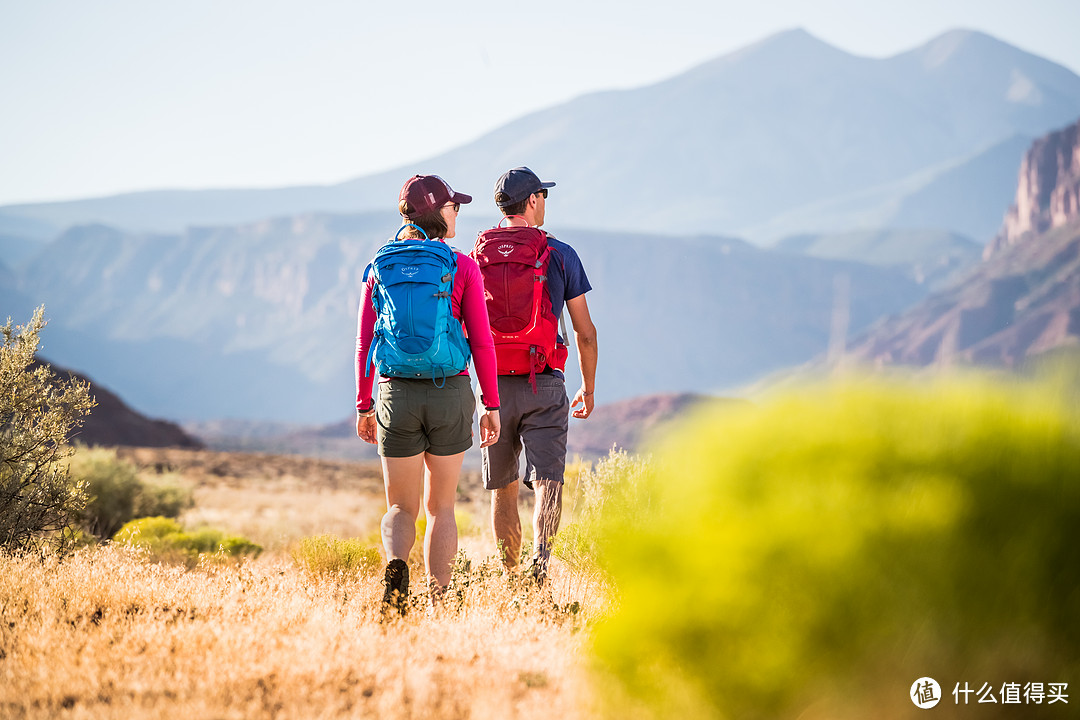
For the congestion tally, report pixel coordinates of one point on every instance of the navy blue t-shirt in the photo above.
(566, 275)
(566, 281)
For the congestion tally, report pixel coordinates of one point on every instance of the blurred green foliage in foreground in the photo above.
(813, 555)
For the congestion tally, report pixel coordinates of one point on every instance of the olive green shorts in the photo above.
(416, 416)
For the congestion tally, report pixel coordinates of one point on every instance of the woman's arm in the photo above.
(364, 374)
(475, 316)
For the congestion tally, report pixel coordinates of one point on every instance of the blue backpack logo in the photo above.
(416, 333)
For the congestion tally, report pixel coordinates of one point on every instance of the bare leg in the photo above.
(404, 479)
(440, 540)
(506, 523)
(546, 518)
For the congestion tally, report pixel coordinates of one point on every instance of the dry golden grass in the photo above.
(106, 634)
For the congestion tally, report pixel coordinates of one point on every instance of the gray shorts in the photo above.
(538, 422)
(416, 416)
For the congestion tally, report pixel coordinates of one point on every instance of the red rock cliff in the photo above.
(1048, 191)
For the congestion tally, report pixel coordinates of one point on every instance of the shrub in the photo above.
(593, 499)
(814, 556)
(116, 493)
(163, 497)
(37, 413)
(330, 555)
(165, 541)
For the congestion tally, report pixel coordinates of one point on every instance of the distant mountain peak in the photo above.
(793, 35)
(952, 43)
(788, 135)
(792, 45)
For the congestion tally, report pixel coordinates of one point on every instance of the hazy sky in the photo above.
(106, 96)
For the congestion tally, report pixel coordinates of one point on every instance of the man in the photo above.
(536, 416)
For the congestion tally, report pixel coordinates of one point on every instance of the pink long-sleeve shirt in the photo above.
(468, 304)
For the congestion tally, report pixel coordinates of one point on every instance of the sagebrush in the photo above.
(115, 492)
(38, 411)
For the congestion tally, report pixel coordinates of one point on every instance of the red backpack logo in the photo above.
(514, 263)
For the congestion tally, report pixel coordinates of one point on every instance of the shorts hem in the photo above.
(399, 453)
(490, 486)
(560, 479)
(444, 450)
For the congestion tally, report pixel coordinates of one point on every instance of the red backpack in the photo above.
(514, 263)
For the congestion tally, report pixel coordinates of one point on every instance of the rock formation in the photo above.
(1023, 299)
(1048, 190)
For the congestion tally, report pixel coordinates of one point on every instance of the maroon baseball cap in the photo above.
(427, 193)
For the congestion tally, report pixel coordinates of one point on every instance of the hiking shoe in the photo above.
(537, 571)
(396, 582)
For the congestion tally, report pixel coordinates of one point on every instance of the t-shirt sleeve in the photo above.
(576, 281)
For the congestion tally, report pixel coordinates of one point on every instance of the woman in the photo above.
(424, 426)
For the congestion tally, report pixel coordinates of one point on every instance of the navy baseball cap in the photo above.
(427, 193)
(518, 184)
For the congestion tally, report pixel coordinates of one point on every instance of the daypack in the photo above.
(416, 333)
(514, 263)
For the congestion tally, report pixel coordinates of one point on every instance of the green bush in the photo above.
(165, 541)
(116, 493)
(330, 555)
(815, 555)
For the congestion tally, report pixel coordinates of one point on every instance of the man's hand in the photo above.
(490, 426)
(366, 428)
(585, 399)
(585, 338)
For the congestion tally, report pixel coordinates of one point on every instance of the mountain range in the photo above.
(861, 188)
(258, 321)
(787, 136)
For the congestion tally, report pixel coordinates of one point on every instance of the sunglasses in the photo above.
(456, 206)
(542, 192)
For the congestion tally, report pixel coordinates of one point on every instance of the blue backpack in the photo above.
(416, 333)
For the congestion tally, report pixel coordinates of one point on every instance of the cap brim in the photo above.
(461, 198)
(546, 185)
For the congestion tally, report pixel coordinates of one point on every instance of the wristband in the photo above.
(489, 409)
(369, 411)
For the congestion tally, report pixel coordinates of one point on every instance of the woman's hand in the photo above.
(366, 428)
(489, 428)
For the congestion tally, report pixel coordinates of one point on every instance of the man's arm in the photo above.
(585, 339)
